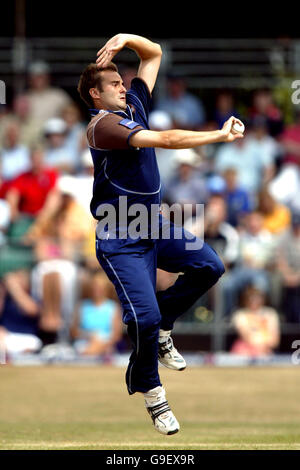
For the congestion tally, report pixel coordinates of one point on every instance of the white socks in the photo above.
(163, 335)
(155, 396)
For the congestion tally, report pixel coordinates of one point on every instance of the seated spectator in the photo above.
(185, 109)
(161, 121)
(188, 186)
(58, 153)
(76, 132)
(256, 324)
(28, 193)
(80, 186)
(285, 187)
(5, 212)
(268, 145)
(263, 105)
(55, 288)
(97, 326)
(290, 141)
(218, 233)
(4, 184)
(224, 108)
(30, 129)
(276, 216)
(19, 314)
(5, 219)
(249, 159)
(255, 258)
(288, 265)
(65, 221)
(236, 197)
(45, 101)
(14, 156)
(127, 74)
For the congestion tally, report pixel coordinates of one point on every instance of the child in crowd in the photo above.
(256, 324)
(97, 325)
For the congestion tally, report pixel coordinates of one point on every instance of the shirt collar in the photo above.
(127, 113)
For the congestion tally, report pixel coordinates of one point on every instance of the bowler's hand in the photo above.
(111, 48)
(228, 135)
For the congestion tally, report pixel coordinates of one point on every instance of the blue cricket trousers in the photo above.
(131, 266)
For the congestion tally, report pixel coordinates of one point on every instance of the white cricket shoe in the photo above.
(168, 354)
(158, 408)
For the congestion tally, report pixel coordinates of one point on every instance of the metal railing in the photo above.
(204, 63)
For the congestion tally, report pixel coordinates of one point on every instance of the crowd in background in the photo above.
(51, 285)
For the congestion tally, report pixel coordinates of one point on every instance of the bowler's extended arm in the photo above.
(181, 139)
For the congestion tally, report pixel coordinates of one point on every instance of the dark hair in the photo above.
(248, 292)
(91, 78)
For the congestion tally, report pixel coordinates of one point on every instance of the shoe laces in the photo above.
(167, 346)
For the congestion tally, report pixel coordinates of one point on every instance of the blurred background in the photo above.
(55, 303)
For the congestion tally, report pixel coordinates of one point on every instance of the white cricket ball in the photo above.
(238, 128)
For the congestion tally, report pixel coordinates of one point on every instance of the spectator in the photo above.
(256, 251)
(276, 217)
(55, 287)
(29, 192)
(221, 236)
(14, 156)
(128, 74)
(288, 265)
(187, 186)
(30, 129)
(45, 101)
(237, 198)
(58, 153)
(19, 314)
(97, 325)
(286, 185)
(4, 184)
(184, 108)
(256, 324)
(5, 212)
(161, 121)
(290, 141)
(218, 233)
(224, 108)
(249, 159)
(76, 134)
(263, 105)
(80, 186)
(65, 222)
(5, 219)
(268, 146)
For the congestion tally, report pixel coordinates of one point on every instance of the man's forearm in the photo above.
(175, 138)
(181, 139)
(144, 48)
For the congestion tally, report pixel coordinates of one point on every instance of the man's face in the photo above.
(113, 94)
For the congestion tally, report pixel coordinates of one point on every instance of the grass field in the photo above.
(82, 408)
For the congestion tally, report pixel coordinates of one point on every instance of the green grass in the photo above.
(82, 408)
